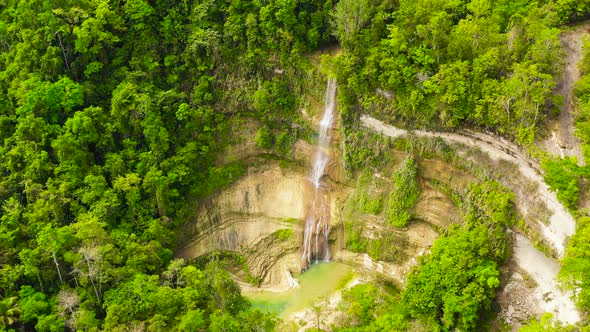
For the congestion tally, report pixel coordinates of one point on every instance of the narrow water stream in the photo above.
(316, 231)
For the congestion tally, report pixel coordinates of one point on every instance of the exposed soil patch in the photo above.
(562, 141)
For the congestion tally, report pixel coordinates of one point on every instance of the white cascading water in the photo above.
(317, 221)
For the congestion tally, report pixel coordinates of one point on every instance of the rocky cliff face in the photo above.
(259, 217)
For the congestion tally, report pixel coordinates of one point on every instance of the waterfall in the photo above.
(317, 222)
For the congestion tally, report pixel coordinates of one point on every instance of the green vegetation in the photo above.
(576, 264)
(368, 198)
(283, 234)
(364, 150)
(573, 10)
(404, 195)
(546, 323)
(568, 179)
(111, 118)
(383, 245)
(455, 283)
(372, 307)
(582, 91)
(563, 176)
(490, 64)
(113, 115)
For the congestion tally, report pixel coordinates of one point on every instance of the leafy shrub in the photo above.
(576, 267)
(285, 142)
(456, 281)
(562, 176)
(489, 201)
(404, 195)
(265, 138)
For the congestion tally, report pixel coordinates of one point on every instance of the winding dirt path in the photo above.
(561, 223)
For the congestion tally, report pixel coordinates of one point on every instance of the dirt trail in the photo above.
(563, 142)
(561, 224)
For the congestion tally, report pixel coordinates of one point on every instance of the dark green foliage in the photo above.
(285, 141)
(273, 100)
(265, 138)
(576, 264)
(456, 281)
(427, 63)
(404, 194)
(572, 10)
(112, 115)
(144, 298)
(563, 176)
(372, 307)
(359, 303)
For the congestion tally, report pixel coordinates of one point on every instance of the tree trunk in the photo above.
(63, 51)
(57, 267)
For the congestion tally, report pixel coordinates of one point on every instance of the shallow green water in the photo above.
(320, 281)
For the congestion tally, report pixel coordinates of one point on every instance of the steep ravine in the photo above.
(261, 217)
(545, 296)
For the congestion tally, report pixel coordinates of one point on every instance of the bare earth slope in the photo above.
(562, 141)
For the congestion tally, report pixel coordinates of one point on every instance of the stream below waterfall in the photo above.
(317, 283)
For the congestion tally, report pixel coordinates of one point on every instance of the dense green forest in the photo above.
(112, 114)
(449, 64)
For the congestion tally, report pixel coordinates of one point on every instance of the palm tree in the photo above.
(9, 311)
